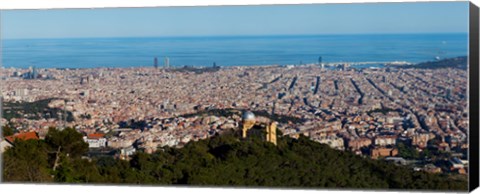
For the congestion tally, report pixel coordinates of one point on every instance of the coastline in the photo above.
(326, 65)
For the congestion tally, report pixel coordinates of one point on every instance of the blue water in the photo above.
(228, 51)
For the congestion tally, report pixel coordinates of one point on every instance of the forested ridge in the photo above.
(455, 62)
(223, 160)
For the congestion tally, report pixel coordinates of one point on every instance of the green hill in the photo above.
(226, 160)
(456, 62)
(33, 110)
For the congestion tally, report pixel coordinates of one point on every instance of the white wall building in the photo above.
(95, 140)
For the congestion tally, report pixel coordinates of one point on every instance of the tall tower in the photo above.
(272, 132)
(320, 62)
(271, 128)
(34, 73)
(155, 63)
(167, 62)
(248, 120)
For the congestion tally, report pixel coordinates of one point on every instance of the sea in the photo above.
(230, 50)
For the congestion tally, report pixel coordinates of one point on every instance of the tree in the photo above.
(68, 141)
(221, 160)
(26, 161)
(7, 131)
(407, 152)
(77, 170)
(65, 144)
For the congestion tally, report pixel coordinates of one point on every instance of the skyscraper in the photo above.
(320, 62)
(167, 63)
(34, 73)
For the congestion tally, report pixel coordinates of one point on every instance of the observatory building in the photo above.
(249, 120)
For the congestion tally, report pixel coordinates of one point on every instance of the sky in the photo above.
(365, 18)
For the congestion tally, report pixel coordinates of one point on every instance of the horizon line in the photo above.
(243, 35)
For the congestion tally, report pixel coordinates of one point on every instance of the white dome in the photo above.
(247, 115)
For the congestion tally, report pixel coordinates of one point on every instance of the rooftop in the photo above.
(22, 136)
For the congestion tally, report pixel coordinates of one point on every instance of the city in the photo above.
(415, 117)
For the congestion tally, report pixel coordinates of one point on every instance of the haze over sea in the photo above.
(230, 50)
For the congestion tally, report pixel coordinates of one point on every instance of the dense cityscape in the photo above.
(414, 117)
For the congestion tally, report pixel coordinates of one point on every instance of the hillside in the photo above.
(223, 160)
(33, 110)
(456, 62)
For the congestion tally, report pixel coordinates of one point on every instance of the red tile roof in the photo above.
(95, 136)
(22, 136)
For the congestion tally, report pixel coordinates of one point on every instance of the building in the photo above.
(167, 62)
(119, 143)
(332, 141)
(385, 140)
(31, 74)
(10, 140)
(375, 153)
(20, 94)
(456, 163)
(34, 73)
(248, 119)
(95, 140)
(125, 153)
(155, 63)
(421, 139)
(272, 133)
(356, 144)
(22, 136)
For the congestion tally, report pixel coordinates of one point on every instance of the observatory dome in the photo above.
(247, 115)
